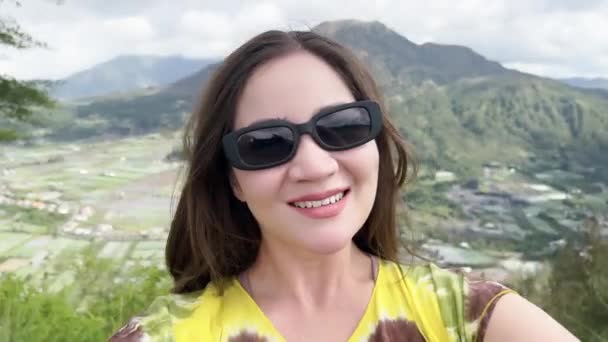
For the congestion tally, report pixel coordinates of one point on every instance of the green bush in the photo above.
(105, 295)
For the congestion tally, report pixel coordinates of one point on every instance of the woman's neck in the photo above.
(312, 280)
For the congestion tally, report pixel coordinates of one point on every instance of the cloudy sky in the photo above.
(557, 38)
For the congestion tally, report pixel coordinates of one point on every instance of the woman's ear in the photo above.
(236, 188)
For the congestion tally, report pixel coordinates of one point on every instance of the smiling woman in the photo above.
(285, 228)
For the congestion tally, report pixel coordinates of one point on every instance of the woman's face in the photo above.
(295, 87)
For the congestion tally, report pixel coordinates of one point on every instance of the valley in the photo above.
(115, 198)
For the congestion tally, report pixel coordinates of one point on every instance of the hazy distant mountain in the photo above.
(126, 73)
(590, 83)
(457, 108)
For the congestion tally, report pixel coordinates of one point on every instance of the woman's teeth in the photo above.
(315, 204)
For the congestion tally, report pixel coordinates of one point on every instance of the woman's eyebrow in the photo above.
(284, 118)
(330, 107)
(265, 120)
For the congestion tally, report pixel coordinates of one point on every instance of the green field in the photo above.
(10, 241)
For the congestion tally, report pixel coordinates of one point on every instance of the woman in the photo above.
(285, 228)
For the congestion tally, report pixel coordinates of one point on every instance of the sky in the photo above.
(553, 38)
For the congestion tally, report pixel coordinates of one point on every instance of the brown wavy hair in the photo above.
(213, 235)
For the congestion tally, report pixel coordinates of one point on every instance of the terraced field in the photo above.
(62, 198)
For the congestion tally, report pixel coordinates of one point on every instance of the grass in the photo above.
(115, 250)
(62, 244)
(134, 223)
(27, 228)
(35, 245)
(149, 250)
(9, 241)
(33, 217)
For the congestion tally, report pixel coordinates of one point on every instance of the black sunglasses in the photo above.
(274, 142)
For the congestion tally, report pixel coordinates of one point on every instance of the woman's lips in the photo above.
(318, 196)
(324, 211)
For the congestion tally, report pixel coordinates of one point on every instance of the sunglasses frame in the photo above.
(230, 140)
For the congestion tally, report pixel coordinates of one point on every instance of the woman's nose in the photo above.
(311, 162)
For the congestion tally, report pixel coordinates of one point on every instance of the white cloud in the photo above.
(128, 28)
(76, 40)
(547, 70)
(258, 15)
(216, 33)
(207, 24)
(549, 37)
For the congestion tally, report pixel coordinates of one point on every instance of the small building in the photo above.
(105, 228)
(444, 176)
(63, 209)
(87, 211)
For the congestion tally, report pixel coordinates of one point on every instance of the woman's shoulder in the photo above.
(465, 304)
(157, 321)
(177, 315)
(444, 280)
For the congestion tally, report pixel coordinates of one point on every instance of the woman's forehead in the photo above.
(293, 87)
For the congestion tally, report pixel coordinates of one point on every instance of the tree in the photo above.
(18, 98)
(577, 292)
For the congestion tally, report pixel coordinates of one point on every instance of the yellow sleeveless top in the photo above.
(413, 303)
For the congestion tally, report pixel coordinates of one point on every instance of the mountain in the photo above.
(192, 84)
(126, 73)
(589, 83)
(456, 107)
(402, 59)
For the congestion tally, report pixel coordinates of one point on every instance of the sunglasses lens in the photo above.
(345, 128)
(265, 146)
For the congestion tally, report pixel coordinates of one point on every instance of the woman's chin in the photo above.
(327, 244)
(323, 240)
